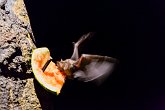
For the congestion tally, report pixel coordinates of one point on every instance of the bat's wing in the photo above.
(75, 54)
(94, 68)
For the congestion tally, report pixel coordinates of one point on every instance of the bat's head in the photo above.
(67, 66)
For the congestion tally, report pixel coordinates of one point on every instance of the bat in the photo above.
(87, 67)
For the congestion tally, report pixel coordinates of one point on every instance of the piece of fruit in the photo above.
(51, 79)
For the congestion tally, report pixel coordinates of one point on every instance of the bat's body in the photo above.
(87, 67)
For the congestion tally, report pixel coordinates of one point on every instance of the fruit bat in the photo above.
(87, 67)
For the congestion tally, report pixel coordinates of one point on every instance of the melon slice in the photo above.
(51, 79)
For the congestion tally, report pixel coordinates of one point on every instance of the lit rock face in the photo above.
(17, 90)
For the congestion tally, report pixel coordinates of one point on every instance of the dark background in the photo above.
(131, 31)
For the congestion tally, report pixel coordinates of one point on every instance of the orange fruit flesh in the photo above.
(52, 78)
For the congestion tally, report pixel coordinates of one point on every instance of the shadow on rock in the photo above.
(46, 98)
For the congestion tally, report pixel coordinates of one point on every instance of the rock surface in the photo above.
(17, 91)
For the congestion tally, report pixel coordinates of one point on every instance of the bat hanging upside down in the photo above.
(87, 67)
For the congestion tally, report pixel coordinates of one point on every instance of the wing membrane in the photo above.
(94, 68)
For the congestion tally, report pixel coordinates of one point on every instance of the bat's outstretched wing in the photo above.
(94, 68)
(75, 54)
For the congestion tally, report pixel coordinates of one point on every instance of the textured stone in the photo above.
(17, 90)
